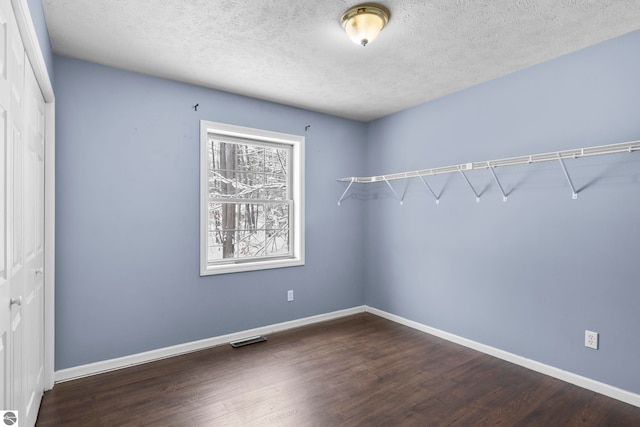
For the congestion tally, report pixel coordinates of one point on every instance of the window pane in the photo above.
(222, 183)
(278, 243)
(275, 187)
(222, 230)
(251, 243)
(222, 175)
(251, 216)
(277, 217)
(276, 161)
(249, 185)
(249, 158)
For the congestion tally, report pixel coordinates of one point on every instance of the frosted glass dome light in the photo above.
(363, 23)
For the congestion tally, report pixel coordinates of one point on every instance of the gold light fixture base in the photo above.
(364, 22)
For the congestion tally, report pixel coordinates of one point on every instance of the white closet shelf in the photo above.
(625, 147)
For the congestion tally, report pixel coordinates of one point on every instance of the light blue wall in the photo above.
(127, 217)
(39, 23)
(530, 275)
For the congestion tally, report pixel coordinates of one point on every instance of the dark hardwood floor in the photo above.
(360, 370)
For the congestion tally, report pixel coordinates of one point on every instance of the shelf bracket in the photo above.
(430, 189)
(394, 192)
(470, 185)
(345, 192)
(404, 192)
(574, 193)
(495, 177)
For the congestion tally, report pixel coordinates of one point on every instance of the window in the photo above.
(251, 199)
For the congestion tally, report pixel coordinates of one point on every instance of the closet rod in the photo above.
(535, 158)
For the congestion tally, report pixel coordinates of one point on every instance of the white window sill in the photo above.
(251, 266)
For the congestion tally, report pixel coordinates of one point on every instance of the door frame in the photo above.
(34, 53)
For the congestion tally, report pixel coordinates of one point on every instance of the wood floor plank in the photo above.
(361, 370)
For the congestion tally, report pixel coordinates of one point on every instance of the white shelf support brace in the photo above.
(430, 190)
(394, 192)
(404, 192)
(574, 193)
(493, 172)
(345, 191)
(470, 185)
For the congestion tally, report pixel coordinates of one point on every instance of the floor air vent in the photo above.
(247, 341)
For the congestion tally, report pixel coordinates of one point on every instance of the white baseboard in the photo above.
(163, 353)
(587, 383)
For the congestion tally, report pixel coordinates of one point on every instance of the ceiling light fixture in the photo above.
(363, 23)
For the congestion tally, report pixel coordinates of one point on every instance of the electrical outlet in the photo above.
(290, 295)
(591, 339)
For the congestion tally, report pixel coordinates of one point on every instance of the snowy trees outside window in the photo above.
(248, 201)
(253, 190)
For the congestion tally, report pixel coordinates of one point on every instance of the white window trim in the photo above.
(296, 142)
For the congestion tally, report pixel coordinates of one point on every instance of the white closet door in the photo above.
(15, 188)
(16, 198)
(5, 285)
(21, 227)
(33, 304)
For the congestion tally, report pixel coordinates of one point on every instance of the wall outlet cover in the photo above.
(591, 339)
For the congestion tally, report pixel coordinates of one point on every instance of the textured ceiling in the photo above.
(296, 53)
